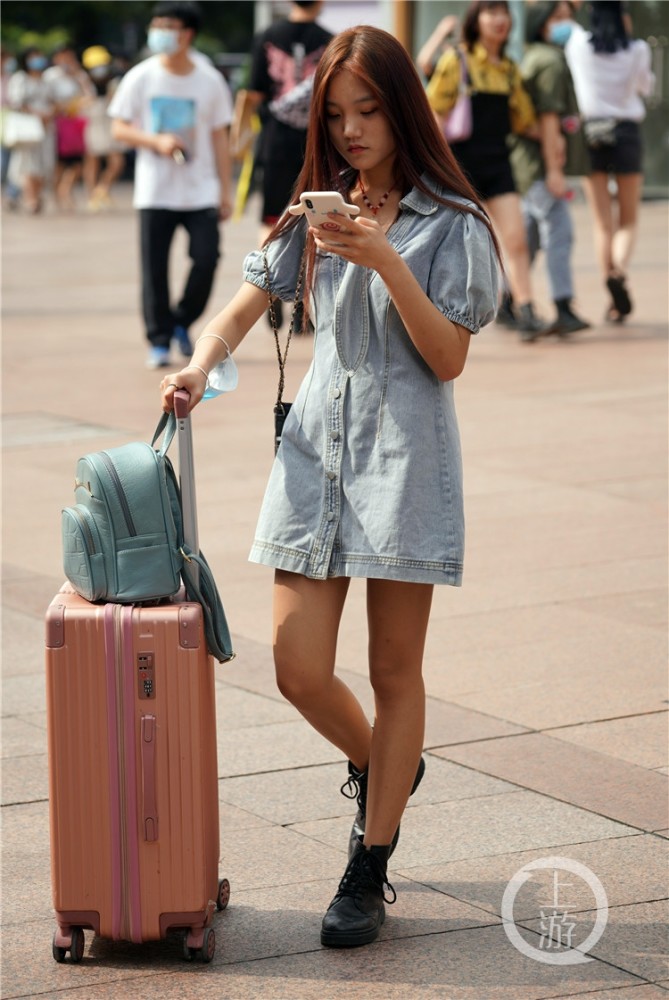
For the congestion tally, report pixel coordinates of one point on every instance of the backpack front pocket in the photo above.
(83, 560)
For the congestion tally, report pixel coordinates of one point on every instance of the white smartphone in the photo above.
(317, 204)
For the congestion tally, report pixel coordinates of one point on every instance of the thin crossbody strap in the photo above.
(282, 355)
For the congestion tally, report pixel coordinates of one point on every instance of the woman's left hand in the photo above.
(360, 241)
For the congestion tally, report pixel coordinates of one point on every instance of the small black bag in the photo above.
(281, 411)
(281, 408)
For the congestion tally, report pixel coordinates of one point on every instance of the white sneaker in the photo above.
(158, 357)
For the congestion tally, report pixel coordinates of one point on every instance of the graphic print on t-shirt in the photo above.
(286, 69)
(175, 115)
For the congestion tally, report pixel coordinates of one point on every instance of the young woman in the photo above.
(367, 480)
(32, 163)
(500, 107)
(612, 73)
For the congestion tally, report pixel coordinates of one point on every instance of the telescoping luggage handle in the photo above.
(187, 478)
(180, 422)
(197, 576)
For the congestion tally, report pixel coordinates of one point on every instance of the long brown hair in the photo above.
(384, 65)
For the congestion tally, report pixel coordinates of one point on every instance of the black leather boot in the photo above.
(356, 788)
(567, 321)
(357, 912)
(528, 324)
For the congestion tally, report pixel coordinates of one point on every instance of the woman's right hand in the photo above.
(193, 380)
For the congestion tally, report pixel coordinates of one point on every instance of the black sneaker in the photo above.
(357, 912)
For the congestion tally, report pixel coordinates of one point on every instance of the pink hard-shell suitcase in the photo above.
(133, 772)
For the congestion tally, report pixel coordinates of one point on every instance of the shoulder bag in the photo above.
(459, 124)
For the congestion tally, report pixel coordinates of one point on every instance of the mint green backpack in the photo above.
(123, 540)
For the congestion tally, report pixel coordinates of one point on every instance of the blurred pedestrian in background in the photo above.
(105, 157)
(541, 166)
(71, 88)
(31, 164)
(8, 66)
(176, 111)
(500, 106)
(612, 74)
(283, 56)
(442, 37)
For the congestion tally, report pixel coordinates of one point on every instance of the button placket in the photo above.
(331, 494)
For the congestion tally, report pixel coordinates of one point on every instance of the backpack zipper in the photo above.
(118, 486)
(85, 528)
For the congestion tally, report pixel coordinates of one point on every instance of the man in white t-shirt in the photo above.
(176, 111)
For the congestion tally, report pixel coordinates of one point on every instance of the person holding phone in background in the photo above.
(175, 109)
(367, 481)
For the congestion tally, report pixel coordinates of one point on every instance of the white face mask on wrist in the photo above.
(163, 41)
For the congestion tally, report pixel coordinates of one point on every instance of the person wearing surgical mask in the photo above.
(542, 164)
(176, 108)
(32, 163)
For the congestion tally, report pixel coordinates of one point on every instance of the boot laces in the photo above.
(365, 871)
(355, 786)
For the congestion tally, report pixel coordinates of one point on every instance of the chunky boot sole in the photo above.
(352, 939)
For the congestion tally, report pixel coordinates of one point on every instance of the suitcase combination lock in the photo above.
(146, 687)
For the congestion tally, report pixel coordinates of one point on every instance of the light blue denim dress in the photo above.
(367, 481)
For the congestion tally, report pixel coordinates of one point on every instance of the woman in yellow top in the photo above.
(500, 105)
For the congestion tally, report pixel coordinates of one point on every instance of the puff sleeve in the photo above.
(444, 86)
(464, 278)
(521, 109)
(284, 255)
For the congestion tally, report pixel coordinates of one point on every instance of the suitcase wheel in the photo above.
(58, 952)
(206, 952)
(75, 948)
(223, 894)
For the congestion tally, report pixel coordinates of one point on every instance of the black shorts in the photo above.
(489, 176)
(624, 156)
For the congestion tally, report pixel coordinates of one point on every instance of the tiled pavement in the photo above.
(546, 672)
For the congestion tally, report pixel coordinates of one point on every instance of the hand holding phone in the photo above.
(317, 204)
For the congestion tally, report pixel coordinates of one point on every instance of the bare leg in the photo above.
(112, 171)
(624, 238)
(69, 178)
(91, 170)
(596, 188)
(32, 193)
(507, 218)
(398, 615)
(306, 622)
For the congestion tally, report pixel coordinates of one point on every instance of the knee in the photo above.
(393, 681)
(296, 682)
